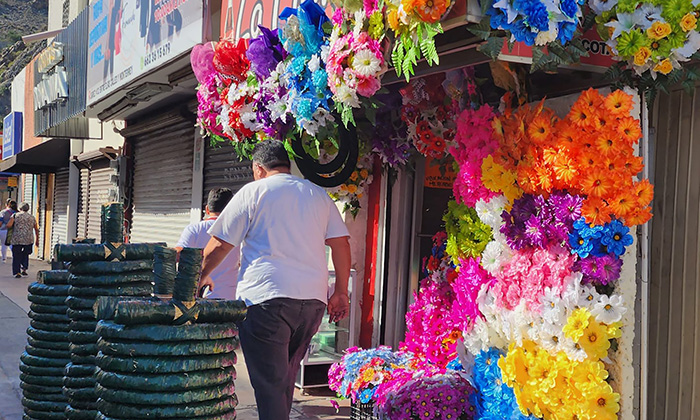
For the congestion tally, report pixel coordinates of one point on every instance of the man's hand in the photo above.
(203, 282)
(338, 306)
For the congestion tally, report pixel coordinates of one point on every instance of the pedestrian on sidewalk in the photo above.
(5, 215)
(196, 235)
(283, 224)
(22, 224)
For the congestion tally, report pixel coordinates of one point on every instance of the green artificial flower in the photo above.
(627, 6)
(376, 25)
(467, 236)
(674, 10)
(660, 49)
(630, 42)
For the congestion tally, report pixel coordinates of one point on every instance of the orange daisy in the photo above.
(544, 179)
(589, 159)
(607, 142)
(566, 134)
(644, 192)
(540, 129)
(638, 216)
(623, 203)
(596, 211)
(596, 183)
(601, 122)
(633, 164)
(591, 98)
(618, 103)
(581, 115)
(629, 130)
(565, 169)
(431, 10)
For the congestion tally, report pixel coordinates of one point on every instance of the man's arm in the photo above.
(36, 231)
(214, 253)
(339, 302)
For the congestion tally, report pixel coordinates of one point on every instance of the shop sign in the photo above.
(439, 174)
(129, 39)
(240, 18)
(12, 181)
(50, 57)
(12, 135)
(51, 89)
(599, 55)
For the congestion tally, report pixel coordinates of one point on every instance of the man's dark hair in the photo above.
(271, 154)
(218, 198)
(12, 204)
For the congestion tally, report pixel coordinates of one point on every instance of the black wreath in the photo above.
(346, 158)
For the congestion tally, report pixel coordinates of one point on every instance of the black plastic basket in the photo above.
(362, 411)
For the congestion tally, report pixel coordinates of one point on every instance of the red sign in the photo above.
(599, 55)
(240, 18)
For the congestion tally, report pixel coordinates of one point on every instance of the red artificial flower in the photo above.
(231, 59)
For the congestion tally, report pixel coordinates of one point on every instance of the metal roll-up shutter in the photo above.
(41, 214)
(162, 181)
(28, 189)
(223, 168)
(83, 203)
(59, 234)
(101, 191)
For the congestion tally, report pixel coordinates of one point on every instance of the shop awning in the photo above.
(42, 158)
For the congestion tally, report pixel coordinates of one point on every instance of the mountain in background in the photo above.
(18, 18)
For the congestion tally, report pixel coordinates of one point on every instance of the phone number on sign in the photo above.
(157, 54)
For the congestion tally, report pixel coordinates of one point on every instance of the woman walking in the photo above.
(22, 224)
(5, 216)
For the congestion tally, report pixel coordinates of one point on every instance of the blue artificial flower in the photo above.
(499, 19)
(320, 80)
(523, 33)
(455, 364)
(586, 230)
(569, 8)
(580, 245)
(297, 66)
(566, 31)
(616, 237)
(486, 366)
(366, 395)
(536, 15)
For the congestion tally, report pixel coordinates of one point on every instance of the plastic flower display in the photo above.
(356, 57)
(650, 36)
(536, 22)
(350, 192)
(358, 374)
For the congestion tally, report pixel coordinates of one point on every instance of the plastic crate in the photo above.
(360, 411)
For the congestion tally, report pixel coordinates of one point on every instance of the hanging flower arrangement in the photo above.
(650, 36)
(536, 22)
(356, 56)
(351, 191)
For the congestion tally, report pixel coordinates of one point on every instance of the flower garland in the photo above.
(650, 36)
(536, 22)
(356, 57)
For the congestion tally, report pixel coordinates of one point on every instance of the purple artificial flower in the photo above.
(534, 231)
(567, 207)
(265, 52)
(523, 208)
(610, 267)
(590, 269)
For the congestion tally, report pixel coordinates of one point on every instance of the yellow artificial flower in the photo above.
(614, 330)
(604, 402)
(364, 174)
(642, 56)
(659, 30)
(595, 340)
(576, 324)
(352, 188)
(664, 66)
(343, 187)
(688, 22)
(353, 176)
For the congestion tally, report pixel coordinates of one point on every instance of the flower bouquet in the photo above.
(649, 36)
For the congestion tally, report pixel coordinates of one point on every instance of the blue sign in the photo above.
(12, 135)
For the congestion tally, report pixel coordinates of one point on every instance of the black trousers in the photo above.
(20, 258)
(274, 337)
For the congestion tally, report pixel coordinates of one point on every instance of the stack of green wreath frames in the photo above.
(127, 273)
(154, 364)
(46, 354)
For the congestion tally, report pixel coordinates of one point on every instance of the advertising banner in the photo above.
(128, 38)
(12, 135)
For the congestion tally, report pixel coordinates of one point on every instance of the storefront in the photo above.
(98, 185)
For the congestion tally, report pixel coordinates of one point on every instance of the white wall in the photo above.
(17, 94)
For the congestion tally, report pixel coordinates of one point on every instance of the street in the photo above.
(13, 316)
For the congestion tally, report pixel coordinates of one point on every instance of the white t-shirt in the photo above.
(281, 222)
(225, 275)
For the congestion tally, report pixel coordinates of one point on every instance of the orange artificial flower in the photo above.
(567, 135)
(565, 170)
(589, 159)
(606, 142)
(633, 164)
(540, 129)
(545, 179)
(629, 130)
(623, 203)
(644, 192)
(638, 216)
(431, 10)
(582, 115)
(618, 103)
(601, 121)
(596, 183)
(591, 98)
(596, 211)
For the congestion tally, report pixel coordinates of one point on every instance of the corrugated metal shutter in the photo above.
(83, 202)
(222, 168)
(41, 216)
(674, 290)
(162, 181)
(59, 234)
(28, 189)
(101, 191)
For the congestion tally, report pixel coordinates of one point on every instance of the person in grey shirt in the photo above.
(5, 215)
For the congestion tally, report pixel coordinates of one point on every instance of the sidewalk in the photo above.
(13, 316)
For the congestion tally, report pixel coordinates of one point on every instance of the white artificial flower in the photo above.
(550, 341)
(366, 63)
(477, 339)
(572, 349)
(625, 22)
(344, 94)
(325, 50)
(359, 22)
(545, 37)
(314, 63)
(609, 309)
(690, 47)
(600, 6)
(588, 297)
(647, 14)
(491, 258)
(553, 308)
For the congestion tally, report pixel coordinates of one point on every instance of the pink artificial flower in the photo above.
(368, 86)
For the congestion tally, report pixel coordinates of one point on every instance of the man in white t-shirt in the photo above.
(283, 224)
(196, 235)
